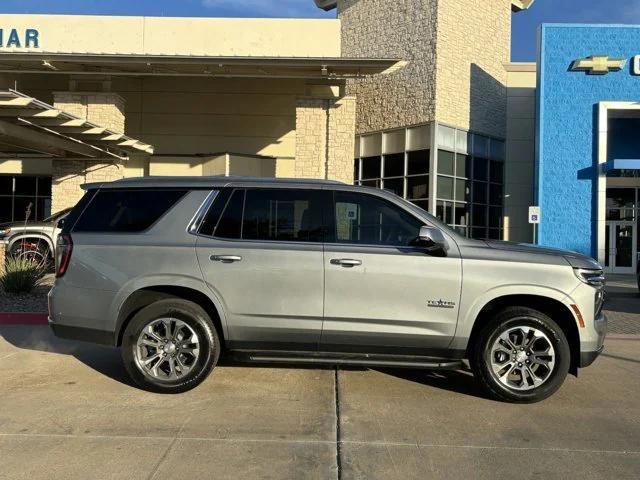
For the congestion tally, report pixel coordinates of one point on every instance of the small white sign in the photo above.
(636, 65)
(534, 215)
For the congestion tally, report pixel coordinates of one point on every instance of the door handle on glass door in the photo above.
(225, 258)
(346, 262)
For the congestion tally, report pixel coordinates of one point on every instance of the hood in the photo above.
(575, 259)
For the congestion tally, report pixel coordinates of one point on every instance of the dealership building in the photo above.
(419, 98)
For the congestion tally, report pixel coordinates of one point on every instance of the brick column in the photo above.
(325, 138)
(104, 109)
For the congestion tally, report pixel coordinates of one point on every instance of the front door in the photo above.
(383, 293)
(263, 260)
(620, 244)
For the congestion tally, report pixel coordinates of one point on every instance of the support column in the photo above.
(325, 138)
(105, 109)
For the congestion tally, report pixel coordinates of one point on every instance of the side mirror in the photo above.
(433, 240)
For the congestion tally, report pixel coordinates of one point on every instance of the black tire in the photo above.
(511, 317)
(197, 319)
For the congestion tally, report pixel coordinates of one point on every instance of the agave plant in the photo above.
(20, 275)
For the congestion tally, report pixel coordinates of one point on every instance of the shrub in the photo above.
(20, 275)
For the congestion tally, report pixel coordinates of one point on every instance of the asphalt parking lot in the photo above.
(69, 411)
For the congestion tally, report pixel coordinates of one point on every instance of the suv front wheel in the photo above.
(521, 356)
(170, 346)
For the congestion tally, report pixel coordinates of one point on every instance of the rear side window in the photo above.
(126, 210)
(286, 215)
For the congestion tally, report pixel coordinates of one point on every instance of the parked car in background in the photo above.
(180, 270)
(34, 240)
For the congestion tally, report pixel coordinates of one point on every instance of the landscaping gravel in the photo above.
(34, 302)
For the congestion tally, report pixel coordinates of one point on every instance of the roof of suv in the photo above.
(203, 182)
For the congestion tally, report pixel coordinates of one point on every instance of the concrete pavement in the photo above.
(69, 411)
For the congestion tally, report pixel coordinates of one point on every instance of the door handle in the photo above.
(225, 258)
(346, 262)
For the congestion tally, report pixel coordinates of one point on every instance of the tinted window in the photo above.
(126, 210)
(213, 215)
(284, 215)
(368, 220)
(231, 221)
(273, 214)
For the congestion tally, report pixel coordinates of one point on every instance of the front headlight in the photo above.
(4, 232)
(595, 278)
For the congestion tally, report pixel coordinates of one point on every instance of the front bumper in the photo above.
(588, 354)
(587, 358)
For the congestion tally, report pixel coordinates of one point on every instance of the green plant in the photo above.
(20, 275)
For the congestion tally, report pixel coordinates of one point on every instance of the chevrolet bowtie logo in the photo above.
(598, 65)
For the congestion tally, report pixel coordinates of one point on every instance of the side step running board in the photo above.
(377, 362)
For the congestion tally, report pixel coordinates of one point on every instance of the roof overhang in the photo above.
(516, 5)
(30, 125)
(198, 66)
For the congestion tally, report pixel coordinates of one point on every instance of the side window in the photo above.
(286, 215)
(230, 224)
(369, 220)
(129, 211)
(283, 215)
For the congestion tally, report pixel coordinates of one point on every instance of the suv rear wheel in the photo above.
(521, 356)
(170, 346)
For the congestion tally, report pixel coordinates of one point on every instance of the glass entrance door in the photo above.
(621, 247)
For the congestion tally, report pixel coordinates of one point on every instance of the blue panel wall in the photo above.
(566, 157)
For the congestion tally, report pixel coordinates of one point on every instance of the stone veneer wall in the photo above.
(456, 50)
(403, 29)
(325, 139)
(104, 109)
(474, 43)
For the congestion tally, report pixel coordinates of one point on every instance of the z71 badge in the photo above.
(440, 304)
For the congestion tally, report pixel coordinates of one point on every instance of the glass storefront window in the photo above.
(469, 177)
(19, 192)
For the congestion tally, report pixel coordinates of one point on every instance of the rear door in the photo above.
(383, 292)
(263, 259)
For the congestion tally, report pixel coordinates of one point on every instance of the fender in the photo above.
(30, 235)
(465, 324)
(185, 281)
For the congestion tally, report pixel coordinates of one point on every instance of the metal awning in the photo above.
(30, 125)
(204, 66)
(622, 164)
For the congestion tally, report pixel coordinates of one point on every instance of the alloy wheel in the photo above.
(522, 358)
(167, 349)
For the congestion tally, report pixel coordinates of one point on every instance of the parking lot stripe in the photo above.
(331, 442)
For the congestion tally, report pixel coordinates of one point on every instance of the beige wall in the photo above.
(520, 161)
(178, 36)
(25, 166)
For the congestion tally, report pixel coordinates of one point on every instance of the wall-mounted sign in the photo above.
(534, 215)
(598, 65)
(18, 38)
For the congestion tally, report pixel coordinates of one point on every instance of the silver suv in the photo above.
(177, 271)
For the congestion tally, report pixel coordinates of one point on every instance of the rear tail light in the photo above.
(64, 248)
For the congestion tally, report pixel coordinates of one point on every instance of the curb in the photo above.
(19, 318)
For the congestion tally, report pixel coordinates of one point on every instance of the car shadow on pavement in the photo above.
(107, 361)
(102, 359)
(457, 381)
